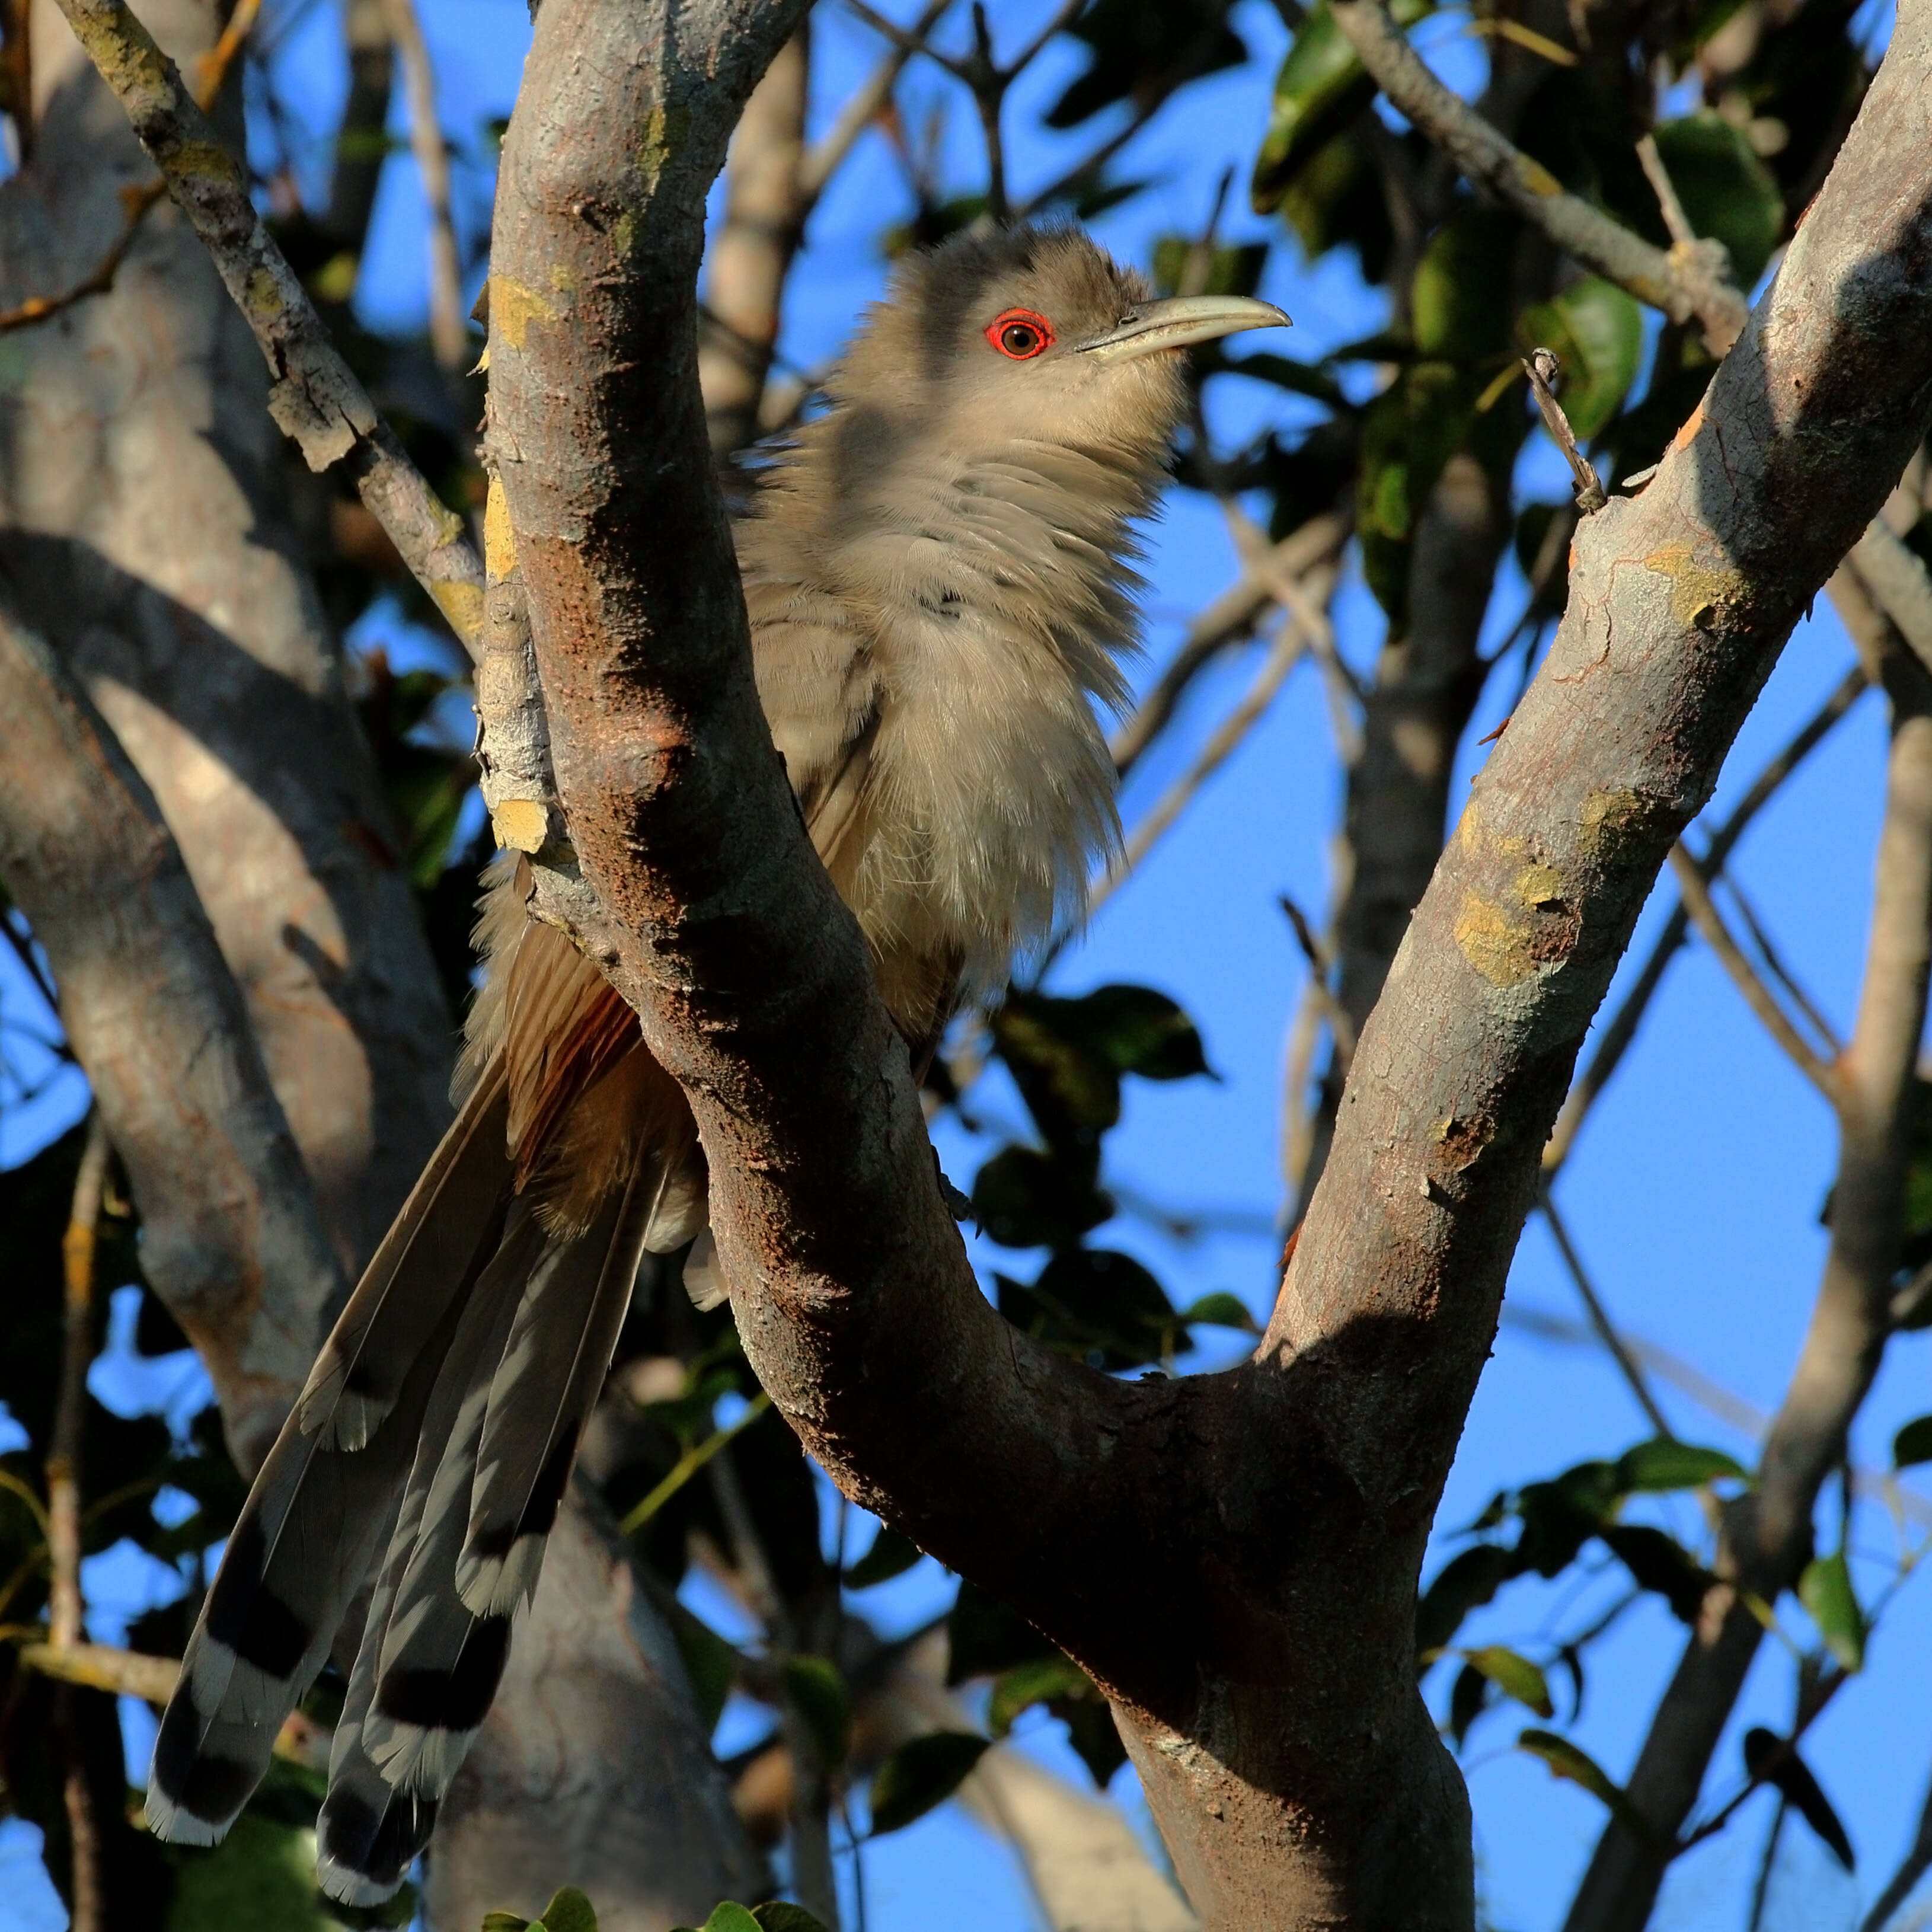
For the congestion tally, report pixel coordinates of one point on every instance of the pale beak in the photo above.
(1174, 323)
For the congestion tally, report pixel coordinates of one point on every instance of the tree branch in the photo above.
(1759, 996)
(231, 1239)
(449, 333)
(1767, 1535)
(1615, 1040)
(1684, 283)
(1166, 1532)
(316, 399)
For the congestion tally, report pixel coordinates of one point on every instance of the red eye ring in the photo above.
(1020, 335)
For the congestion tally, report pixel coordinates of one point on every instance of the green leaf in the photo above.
(1825, 1591)
(1460, 304)
(1320, 90)
(1569, 1761)
(1728, 193)
(1597, 330)
(818, 1693)
(729, 1916)
(1098, 1306)
(1465, 1582)
(1337, 201)
(1466, 1701)
(1659, 1562)
(1912, 1444)
(780, 1914)
(1023, 1199)
(1091, 1731)
(891, 1555)
(1221, 1310)
(569, 1911)
(1662, 1464)
(1514, 1676)
(1774, 1761)
(922, 1773)
(1146, 51)
(504, 1921)
(1036, 1681)
(984, 1637)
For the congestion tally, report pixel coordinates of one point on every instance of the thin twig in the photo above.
(688, 1465)
(1684, 285)
(136, 203)
(1675, 219)
(1291, 644)
(315, 398)
(1600, 1319)
(1542, 369)
(1617, 1035)
(824, 161)
(449, 333)
(1710, 923)
(1320, 965)
(1903, 1882)
(64, 1609)
(1774, 963)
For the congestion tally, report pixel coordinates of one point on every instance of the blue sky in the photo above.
(1694, 1192)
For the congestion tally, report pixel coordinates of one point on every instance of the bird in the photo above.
(940, 574)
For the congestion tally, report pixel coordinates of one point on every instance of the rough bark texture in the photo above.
(1233, 1557)
(145, 526)
(592, 1768)
(157, 1019)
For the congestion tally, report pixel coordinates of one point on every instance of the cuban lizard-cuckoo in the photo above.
(939, 574)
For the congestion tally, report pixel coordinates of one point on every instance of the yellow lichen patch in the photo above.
(1539, 885)
(1610, 819)
(666, 126)
(513, 308)
(520, 823)
(203, 161)
(1695, 590)
(462, 603)
(499, 541)
(1495, 941)
(1535, 177)
(264, 295)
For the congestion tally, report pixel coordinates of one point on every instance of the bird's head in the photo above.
(1033, 335)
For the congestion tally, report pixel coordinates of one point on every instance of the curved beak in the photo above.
(1174, 324)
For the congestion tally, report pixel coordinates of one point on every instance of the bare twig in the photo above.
(64, 1610)
(1542, 369)
(1761, 1000)
(449, 333)
(1321, 964)
(1819, 1021)
(316, 399)
(137, 203)
(1655, 173)
(1229, 619)
(822, 162)
(1291, 641)
(1600, 1319)
(1682, 287)
(1903, 1882)
(1622, 1029)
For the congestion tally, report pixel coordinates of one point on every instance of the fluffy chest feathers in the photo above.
(930, 640)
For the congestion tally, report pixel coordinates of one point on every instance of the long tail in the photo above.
(433, 1438)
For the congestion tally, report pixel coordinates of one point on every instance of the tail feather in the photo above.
(544, 1391)
(313, 1528)
(448, 1225)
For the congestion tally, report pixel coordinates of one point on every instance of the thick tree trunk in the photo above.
(145, 527)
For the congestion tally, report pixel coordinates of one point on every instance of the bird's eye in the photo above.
(1020, 335)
